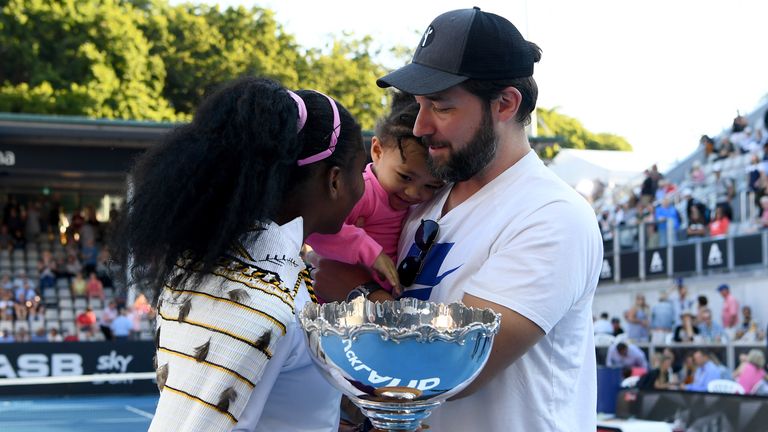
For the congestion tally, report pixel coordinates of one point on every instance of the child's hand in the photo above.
(387, 269)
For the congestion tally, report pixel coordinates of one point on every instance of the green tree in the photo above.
(85, 57)
(572, 134)
(348, 73)
(147, 59)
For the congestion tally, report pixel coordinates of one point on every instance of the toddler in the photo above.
(397, 178)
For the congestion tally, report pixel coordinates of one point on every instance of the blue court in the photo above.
(77, 414)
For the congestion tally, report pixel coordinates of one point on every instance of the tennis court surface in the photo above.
(77, 414)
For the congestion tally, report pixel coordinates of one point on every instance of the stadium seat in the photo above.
(604, 340)
(725, 386)
(66, 315)
(65, 303)
(760, 388)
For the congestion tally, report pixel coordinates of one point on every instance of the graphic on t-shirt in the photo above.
(428, 277)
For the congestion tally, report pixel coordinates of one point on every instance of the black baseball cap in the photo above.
(464, 44)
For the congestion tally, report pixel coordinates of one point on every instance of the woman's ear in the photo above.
(335, 182)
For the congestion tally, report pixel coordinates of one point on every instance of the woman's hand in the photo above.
(387, 269)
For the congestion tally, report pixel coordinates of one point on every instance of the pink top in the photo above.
(730, 311)
(719, 227)
(749, 376)
(372, 226)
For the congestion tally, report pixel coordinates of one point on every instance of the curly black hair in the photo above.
(397, 126)
(212, 180)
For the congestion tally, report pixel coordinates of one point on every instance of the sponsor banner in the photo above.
(684, 258)
(630, 266)
(28, 360)
(715, 254)
(656, 262)
(606, 273)
(748, 250)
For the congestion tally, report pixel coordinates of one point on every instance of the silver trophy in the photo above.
(398, 360)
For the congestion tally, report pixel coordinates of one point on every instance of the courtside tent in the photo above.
(609, 167)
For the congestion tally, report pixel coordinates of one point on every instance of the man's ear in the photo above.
(376, 149)
(509, 102)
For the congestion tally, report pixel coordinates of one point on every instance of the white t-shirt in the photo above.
(529, 242)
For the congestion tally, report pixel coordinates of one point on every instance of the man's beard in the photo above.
(463, 164)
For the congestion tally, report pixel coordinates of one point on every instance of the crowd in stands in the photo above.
(706, 203)
(56, 279)
(678, 320)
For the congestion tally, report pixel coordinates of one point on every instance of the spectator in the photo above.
(724, 192)
(86, 321)
(54, 336)
(7, 305)
(663, 213)
(638, 320)
(648, 188)
(106, 319)
(46, 267)
(687, 370)
(22, 335)
(69, 337)
(709, 330)
(748, 329)
(94, 287)
(661, 377)
(39, 335)
(6, 336)
(719, 226)
(710, 151)
(764, 210)
(602, 325)
(697, 174)
(751, 370)
(616, 324)
(78, 285)
(626, 355)
(706, 371)
(32, 224)
(701, 304)
(122, 325)
(90, 254)
(730, 313)
(682, 302)
(103, 270)
(686, 331)
(697, 224)
(663, 314)
(6, 240)
(72, 265)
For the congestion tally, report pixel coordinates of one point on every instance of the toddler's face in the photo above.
(406, 180)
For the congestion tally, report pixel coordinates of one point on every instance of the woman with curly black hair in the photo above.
(214, 227)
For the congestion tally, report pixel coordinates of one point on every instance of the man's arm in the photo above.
(516, 336)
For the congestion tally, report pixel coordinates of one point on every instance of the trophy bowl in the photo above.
(397, 360)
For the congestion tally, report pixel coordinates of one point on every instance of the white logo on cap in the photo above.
(427, 39)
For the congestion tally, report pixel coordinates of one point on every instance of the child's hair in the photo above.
(212, 180)
(397, 126)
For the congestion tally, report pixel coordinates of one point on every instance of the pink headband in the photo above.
(302, 107)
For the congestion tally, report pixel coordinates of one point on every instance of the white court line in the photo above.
(139, 412)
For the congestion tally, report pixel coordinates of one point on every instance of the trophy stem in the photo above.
(396, 416)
